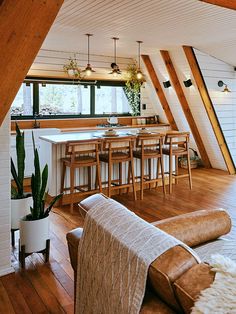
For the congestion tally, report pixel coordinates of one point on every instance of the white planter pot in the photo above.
(19, 209)
(34, 234)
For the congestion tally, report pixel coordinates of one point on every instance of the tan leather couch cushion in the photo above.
(153, 305)
(166, 269)
(197, 227)
(191, 283)
(73, 238)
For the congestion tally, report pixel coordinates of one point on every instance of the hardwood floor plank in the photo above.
(14, 292)
(31, 296)
(43, 290)
(5, 302)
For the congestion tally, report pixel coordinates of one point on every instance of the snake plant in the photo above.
(17, 191)
(38, 185)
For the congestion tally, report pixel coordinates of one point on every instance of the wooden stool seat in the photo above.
(81, 154)
(114, 155)
(177, 144)
(175, 151)
(81, 159)
(147, 152)
(118, 151)
(149, 147)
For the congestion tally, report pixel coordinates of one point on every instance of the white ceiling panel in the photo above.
(161, 24)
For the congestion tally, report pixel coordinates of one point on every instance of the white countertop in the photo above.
(83, 136)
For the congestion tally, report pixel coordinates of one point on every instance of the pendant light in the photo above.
(139, 72)
(226, 89)
(115, 68)
(88, 70)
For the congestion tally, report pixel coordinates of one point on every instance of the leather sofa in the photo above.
(175, 279)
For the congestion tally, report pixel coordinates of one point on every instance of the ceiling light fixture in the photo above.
(225, 90)
(88, 70)
(188, 83)
(167, 84)
(139, 72)
(115, 68)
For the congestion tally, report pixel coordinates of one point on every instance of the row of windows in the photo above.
(53, 99)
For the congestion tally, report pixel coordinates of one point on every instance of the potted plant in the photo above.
(132, 88)
(20, 201)
(72, 68)
(195, 161)
(34, 227)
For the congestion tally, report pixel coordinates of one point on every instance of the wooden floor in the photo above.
(48, 288)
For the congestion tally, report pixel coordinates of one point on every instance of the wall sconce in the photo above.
(188, 83)
(225, 90)
(167, 84)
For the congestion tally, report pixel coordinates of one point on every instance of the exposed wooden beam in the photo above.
(157, 85)
(24, 25)
(185, 106)
(209, 107)
(229, 4)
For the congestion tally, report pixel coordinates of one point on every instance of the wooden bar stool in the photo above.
(81, 154)
(118, 151)
(177, 144)
(148, 147)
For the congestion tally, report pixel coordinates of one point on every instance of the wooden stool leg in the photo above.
(72, 182)
(142, 178)
(176, 169)
(149, 171)
(133, 178)
(89, 178)
(170, 174)
(162, 175)
(128, 179)
(158, 171)
(120, 175)
(189, 172)
(63, 174)
(109, 178)
(99, 177)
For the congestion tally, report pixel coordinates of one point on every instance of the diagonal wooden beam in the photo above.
(24, 25)
(185, 106)
(156, 83)
(229, 4)
(196, 71)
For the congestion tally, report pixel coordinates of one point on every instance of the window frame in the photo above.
(92, 84)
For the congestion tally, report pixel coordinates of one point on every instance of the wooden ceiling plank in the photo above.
(185, 106)
(159, 91)
(229, 4)
(209, 107)
(23, 28)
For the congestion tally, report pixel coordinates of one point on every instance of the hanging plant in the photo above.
(72, 69)
(132, 88)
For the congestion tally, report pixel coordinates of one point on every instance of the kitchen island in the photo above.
(54, 148)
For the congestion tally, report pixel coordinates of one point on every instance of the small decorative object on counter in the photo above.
(195, 161)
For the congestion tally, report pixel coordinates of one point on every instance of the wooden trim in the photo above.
(209, 107)
(24, 26)
(185, 106)
(157, 85)
(229, 4)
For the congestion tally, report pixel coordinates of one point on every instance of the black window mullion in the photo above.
(35, 98)
(92, 100)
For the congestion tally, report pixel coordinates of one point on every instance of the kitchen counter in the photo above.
(53, 147)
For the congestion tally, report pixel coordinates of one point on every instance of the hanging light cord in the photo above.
(139, 52)
(115, 49)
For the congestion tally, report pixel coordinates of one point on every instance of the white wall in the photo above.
(224, 104)
(5, 251)
(195, 103)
